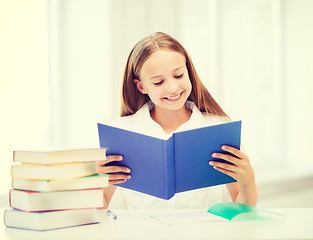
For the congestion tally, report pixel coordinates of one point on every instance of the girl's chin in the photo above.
(174, 106)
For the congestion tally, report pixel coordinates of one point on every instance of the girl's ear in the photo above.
(139, 86)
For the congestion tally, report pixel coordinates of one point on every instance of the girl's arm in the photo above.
(107, 195)
(116, 176)
(244, 190)
(247, 195)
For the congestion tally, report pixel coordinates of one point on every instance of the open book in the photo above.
(220, 212)
(163, 167)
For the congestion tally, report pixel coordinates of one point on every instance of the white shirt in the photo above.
(202, 198)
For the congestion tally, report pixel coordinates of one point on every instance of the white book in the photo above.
(57, 171)
(49, 201)
(61, 156)
(88, 182)
(41, 221)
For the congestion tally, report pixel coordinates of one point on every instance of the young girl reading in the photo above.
(163, 93)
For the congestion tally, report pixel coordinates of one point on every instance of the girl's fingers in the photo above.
(115, 169)
(112, 169)
(110, 158)
(227, 172)
(119, 177)
(226, 157)
(103, 169)
(111, 182)
(235, 151)
(114, 158)
(240, 169)
(224, 166)
(236, 159)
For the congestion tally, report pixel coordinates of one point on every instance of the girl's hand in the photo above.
(114, 171)
(242, 170)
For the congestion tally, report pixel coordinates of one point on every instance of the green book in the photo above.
(242, 212)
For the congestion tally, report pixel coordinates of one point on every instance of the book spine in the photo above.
(10, 198)
(4, 218)
(169, 167)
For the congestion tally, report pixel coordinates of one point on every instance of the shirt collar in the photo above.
(150, 105)
(196, 116)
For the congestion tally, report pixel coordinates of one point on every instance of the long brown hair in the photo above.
(133, 100)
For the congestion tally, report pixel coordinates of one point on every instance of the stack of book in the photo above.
(55, 189)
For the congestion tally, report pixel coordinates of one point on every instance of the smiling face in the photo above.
(164, 77)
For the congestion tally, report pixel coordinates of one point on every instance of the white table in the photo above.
(297, 223)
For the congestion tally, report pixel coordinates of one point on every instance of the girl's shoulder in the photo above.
(215, 119)
(139, 122)
(200, 119)
(206, 119)
(141, 116)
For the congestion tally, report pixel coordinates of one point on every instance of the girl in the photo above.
(163, 93)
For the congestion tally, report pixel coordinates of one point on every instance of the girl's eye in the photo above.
(158, 83)
(179, 76)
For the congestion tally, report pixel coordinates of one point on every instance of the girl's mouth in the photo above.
(174, 98)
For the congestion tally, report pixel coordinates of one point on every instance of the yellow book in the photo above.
(62, 156)
(50, 172)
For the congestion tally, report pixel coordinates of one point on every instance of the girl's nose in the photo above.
(172, 86)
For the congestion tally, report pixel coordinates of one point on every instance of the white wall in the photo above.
(24, 91)
(297, 63)
(250, 54)
(81, 68)
(255, 57)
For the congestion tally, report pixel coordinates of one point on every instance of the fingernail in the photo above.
(211, 163)
(213, 154)
(129, 176)
(224, 147)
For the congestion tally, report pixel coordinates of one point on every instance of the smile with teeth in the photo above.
(175, 97)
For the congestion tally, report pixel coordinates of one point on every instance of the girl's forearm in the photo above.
(248, 194)
(107, 195)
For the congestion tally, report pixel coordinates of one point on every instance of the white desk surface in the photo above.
(297, 223)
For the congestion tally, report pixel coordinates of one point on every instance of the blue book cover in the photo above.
(163, 167)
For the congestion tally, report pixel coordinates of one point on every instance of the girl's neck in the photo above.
(170, 120)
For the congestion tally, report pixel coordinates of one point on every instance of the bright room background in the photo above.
(61, 65)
